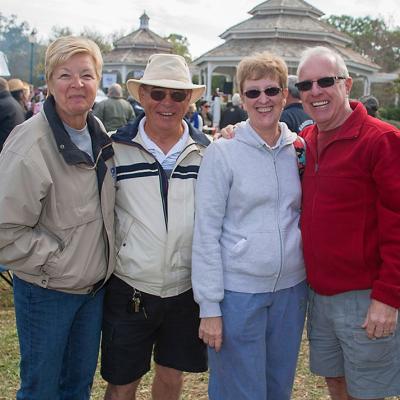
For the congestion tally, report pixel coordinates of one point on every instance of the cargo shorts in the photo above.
(339, 346)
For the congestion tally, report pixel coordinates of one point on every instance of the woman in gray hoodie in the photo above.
(248, 270)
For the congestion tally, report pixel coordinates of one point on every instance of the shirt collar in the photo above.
(153, 148)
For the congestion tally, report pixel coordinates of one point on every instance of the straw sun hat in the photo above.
(15, 84)
(169, 71)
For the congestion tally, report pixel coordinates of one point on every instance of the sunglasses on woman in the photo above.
(324, 82)
(176, 95)
(270, 92)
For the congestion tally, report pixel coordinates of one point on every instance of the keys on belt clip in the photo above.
(137, 302)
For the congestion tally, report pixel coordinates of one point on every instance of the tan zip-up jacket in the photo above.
(154, 214)
(56, 205)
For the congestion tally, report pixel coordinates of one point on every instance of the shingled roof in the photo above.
(285, 27)
(136, 47)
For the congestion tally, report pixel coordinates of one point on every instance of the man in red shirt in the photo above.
(351, 235)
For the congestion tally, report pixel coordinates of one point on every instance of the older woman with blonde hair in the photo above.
(248, 271)
(56, 226)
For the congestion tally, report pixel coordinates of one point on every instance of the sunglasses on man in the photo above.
(270, 92)
(176, 95)
(326, 81)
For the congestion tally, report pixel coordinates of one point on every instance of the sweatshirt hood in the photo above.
(245, 133)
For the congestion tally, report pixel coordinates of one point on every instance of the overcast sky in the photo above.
(201, 21)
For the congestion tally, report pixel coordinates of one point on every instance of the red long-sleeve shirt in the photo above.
(351, 209)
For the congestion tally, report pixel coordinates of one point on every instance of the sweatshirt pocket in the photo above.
(257, 254)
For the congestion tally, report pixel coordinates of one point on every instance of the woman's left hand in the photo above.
(210, 331)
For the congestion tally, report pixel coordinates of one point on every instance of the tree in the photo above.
(59, 31)
(180, 45)
(371, 37)
(14, 42)
(15, 45)
(103, 43)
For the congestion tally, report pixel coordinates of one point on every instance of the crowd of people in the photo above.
(18, 101)
(135, 232)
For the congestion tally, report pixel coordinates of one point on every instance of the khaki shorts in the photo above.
(339, 346)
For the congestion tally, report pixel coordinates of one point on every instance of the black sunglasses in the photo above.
(176, 95)
(254, 93)
(324, 82)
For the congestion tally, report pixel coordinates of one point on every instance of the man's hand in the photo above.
(381, 320)
(210, 331)
(226, 133)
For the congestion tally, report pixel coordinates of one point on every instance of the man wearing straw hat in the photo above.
(149, 303)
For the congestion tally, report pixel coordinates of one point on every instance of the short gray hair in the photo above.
(294, 92)
(321, 51)
(236, 99)
(115, 90)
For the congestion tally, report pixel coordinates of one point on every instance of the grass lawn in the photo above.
(307, 386)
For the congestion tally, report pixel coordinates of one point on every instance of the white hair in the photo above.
(292, 80)
(115, 90)
(236, 99)
(321, 51)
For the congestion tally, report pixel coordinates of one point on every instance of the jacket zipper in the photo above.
(161, 173)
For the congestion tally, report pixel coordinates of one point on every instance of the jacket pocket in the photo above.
(123, 225)
(56, 264)
(62, 243)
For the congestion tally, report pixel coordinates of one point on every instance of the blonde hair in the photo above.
(261, 65)
(65, 47)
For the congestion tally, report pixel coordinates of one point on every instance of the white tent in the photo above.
(4, 71)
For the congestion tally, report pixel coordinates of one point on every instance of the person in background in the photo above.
(216, 106)
(149, 302)
(115, 111)
(248, 271)
(350, 223)
(137, 108)
(37, 104)
(17, 90)
(233, 113)
(194, 117)
(57, 226)
(293, 115)
(205, 113)
(27, 99)
(11, 113)
(371, 104)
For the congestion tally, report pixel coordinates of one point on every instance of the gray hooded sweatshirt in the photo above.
(246, 237)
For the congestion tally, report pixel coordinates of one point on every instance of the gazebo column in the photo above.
(209, 81)
(201, 76)
(124, 73)
(367, 85)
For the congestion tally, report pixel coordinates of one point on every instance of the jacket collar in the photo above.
(69, 151)
(350, 129)
(129, 133)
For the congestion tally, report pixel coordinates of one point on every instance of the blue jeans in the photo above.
(261, 340)
(59, 336)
